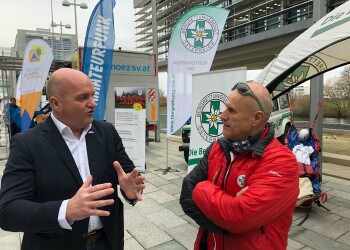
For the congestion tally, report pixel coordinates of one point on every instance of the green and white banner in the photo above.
(208, 103)
(192, 47)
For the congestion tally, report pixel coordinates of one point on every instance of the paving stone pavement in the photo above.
(158, 222)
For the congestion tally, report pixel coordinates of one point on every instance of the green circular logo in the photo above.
(199, 33)
(208, 122)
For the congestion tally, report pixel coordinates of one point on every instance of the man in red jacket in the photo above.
(244, 190)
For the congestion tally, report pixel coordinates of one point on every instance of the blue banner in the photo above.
(98, 52)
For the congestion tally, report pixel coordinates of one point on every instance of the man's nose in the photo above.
(223, 116)
(92, 103)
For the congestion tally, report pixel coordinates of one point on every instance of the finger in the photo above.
(242, 191)
(134, 173)
(102, 203)
(99, 187)
(118, 168)
(139, 195)
(101, 193)
(140, 178)
(99, 212)
(141, 186)
(88, 182)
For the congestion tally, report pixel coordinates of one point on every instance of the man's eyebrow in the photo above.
(82, 95)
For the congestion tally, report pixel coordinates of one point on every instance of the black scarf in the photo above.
(239, 147)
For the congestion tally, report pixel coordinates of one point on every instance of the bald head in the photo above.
(264, 97)
(61, 79)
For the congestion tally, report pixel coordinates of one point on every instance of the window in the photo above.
(274, 105)
(283, 100)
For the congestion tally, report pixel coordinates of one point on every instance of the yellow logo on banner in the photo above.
(35, 53)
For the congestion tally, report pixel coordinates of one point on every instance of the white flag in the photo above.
(192, 47)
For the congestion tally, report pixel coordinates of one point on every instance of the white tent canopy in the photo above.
(322, 47)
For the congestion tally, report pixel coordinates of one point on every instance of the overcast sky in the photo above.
(32, 14)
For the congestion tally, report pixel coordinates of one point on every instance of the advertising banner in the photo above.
(192, 47)
(130, 122)
(98, 52)
(208, 103)
(18, 90)
(36, 65)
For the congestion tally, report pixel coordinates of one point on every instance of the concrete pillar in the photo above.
(316, 85)
(316, 96)
(155, 50)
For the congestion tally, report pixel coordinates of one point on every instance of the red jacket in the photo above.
(258, 219)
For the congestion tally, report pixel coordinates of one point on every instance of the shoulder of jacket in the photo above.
(276, 150)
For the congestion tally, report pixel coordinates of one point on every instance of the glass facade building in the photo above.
(246, 19)
(6, 76)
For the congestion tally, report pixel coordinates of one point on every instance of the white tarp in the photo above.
(209, 101)
(322, 47)
(192, 47)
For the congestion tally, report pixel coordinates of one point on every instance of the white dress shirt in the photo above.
(77, 147)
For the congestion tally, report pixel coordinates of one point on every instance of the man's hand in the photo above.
(131, 183)
(242, 191)
(86, 201)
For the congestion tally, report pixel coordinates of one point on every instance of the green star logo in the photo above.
(208, 122)
(199, 33)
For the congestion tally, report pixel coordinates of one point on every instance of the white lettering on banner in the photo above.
(138, 68)
(173, 94)
(98, 53)
(192, 63)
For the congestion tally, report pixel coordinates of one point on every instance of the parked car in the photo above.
(280, 117)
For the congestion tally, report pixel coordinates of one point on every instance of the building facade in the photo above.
(254, 32)
(301, 90)
(61, 44)
(6, 76)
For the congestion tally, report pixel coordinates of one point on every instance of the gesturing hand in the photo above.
(242, 191)
(86, 201)
(131, 183)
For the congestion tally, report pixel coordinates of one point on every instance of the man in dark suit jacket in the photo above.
(60, 182)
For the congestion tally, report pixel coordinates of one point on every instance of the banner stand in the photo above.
(167, 169)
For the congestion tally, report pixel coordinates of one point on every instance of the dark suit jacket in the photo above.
(40, 173)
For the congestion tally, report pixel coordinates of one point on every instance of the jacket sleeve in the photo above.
(273, 188)
(18, 211)
(197, 175)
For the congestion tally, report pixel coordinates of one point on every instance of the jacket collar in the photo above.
(264, 140)
(52, 133)
(258, 147)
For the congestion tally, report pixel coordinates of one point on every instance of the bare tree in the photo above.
(344, 86)
(333, 97)
(162, 98)
(292, 97)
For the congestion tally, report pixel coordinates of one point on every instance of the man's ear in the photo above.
(54, 103)
(259, 118)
